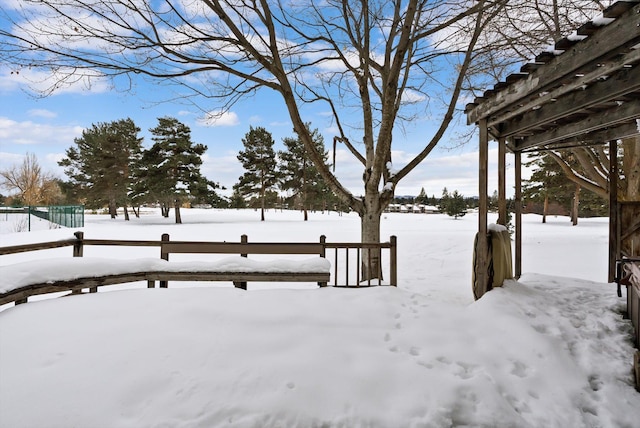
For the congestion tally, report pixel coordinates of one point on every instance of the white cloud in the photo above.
(413, 97)
(219, 118)
(224, 169)
(38, 112)
(44, 82)
(280, 123)
(33, 133)
(10, 158)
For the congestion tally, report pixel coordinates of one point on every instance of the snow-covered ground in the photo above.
(550, 350)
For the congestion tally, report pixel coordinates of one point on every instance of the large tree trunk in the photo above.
(177, 210)
(113, 209)
(262, 197)
(370, 233)
(545, 208)
(304, 188)
(126, 213)
(164, 209)
(575, 205)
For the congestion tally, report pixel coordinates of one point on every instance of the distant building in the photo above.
(412, 209)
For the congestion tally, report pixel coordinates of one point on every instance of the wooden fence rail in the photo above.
(341, 260)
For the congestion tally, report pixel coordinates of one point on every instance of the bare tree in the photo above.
(391, 62)
(591, 171)
(32, 184)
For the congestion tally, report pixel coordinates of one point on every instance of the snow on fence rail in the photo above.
(22, 280)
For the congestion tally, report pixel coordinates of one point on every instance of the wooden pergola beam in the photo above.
(599, 74)
(624, 130)
(626, 112)
(609, 41)
(610, 90)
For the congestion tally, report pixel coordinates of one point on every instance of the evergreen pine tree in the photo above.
(101, 166)
(547, 184)
(454, 204)
(444, 200)
(171, 167)
(422, 198)
(299, 176)
(259, 161)
(237, 200)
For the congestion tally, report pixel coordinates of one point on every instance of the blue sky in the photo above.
(47, 126)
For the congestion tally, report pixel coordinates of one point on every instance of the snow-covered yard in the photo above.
(550, 350)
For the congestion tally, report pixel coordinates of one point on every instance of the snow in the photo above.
(601, 20)
(493, 227)
(69, 268)
(576, 37)
(550, 350)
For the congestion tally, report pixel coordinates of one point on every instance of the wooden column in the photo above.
(502, 186)
(482, 249)
(79, 244)
(164, 256)
(242, 284)
(614, 217)
(323, 254)
(77, 252)
(393, 261)
(517, 269)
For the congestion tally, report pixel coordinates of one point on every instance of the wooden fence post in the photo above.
(77, 252)
(78, 246)
(164, 256)
(323, 241)
(242, 284)
(393, 261)
(243, 240)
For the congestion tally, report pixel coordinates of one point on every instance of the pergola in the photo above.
(587, 92)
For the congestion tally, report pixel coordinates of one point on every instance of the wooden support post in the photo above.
(636, 369)
(151, 283)
(502, 192)
(242, 284)
(517, 271)
(323, 241)
(481, 284)
(243, 240)
(77, 252)
(614, 215)
(393, 261)
(79, 245)
(164, 256)
(323, 254)
(335, 267)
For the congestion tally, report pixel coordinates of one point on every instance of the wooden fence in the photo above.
(348, 259)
